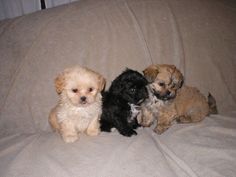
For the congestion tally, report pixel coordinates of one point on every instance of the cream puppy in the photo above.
(79, 106)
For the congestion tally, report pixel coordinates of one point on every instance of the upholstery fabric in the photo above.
(109, 36)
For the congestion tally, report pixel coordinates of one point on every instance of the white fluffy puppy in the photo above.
(79, 107)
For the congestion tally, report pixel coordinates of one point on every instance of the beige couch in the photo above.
(108, 36)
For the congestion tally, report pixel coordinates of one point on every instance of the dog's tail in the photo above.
(212, 104)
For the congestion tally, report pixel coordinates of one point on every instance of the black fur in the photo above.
(128, 88)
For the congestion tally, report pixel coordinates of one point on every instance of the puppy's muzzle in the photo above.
(167, 96)
(145, 96)
(83, 99)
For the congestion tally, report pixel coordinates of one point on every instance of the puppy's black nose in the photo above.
(83, 98)
(168, 93)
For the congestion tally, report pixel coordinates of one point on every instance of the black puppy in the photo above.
(121, 102)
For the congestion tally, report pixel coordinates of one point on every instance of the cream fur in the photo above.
(72, 115)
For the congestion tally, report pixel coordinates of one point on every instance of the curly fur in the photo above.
(79, 106)
(122, 101)
(170, 100)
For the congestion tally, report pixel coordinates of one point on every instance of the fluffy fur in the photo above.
(121, 103)
(169, 100)
(79, 107)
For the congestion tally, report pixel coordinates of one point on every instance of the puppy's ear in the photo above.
(171, 68)
(117, 85)
(178, 78)
(151, 73)
(60, 83)
(101, 83)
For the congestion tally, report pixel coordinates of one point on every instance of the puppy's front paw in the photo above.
(93, 128)
(93, 132)
(70, 138)
(146, 123)
(128, 132)
(184, 119)
(159, 129)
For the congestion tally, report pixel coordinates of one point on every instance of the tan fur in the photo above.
(101, 83)
(186, 104)
(53, 120)
(60, 83)
(73, 115)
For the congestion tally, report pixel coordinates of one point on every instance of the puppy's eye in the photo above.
(75, 90)
(132, 90)
(90, 89)
(161, 84)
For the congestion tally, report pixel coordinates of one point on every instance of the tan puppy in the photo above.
(79, 107)
(169, 100)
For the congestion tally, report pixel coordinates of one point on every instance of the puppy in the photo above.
(121, 103)
(169, 100)
(80, 105)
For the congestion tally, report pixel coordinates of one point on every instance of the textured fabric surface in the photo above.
(108, 36)
(205, 149)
